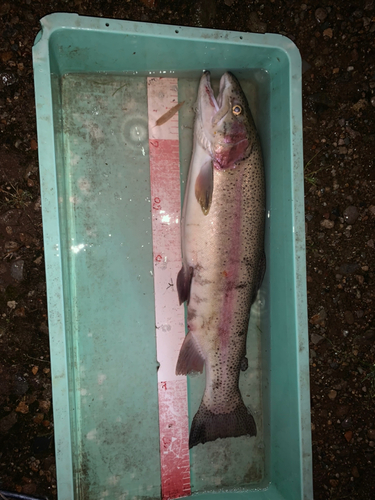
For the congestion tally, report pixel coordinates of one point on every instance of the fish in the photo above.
(223, 259)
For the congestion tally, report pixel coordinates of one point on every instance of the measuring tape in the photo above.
(169, 315)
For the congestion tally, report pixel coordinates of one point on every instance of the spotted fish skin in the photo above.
(223, 255)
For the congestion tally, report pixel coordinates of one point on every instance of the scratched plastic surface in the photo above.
(109, 248)
(108, 243)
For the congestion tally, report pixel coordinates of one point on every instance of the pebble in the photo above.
(349, 318)
(341, 385)
(371, 434)
(255, 24)
(355, 472)
(327, 224)
(16, 269)
(11, 246)
(332, 394)
(346, 423)
(20, 386)
(26, 238)
(342, 411)
(321, 98)
(11, 217)
(318, 318)
(328, 33)
(320, 14)
(315, 338)
(373, 101)
(44, 406)
(319, 61)
(42, 443)
(349, 268)
(348, 436)
(22, 407)
(7, 79)
(38, 419)
(360, 280)
(351, 214)
(37, 204)
(7, 422)
(29, 489)
(305, 66)
(4, 8)
(44, 328)
(361, 104)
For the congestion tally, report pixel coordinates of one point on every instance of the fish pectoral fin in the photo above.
(184, 278)
(204, 186)
(189, 359)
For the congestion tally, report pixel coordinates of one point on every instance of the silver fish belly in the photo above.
(223, 255)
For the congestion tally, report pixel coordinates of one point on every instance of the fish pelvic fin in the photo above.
(189, 359)
(204, 186)
(209, 426)
(184, 278)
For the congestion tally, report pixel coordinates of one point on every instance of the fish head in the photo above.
(225, 125)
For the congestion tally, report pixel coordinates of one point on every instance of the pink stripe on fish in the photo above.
(231, 273)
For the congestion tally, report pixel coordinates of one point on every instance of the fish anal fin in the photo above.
(204, 186)
(209, 426)
(262, 269)
(184, 277)
(260, 275)
(189, 359)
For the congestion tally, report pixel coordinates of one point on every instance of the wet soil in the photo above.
(337, 44)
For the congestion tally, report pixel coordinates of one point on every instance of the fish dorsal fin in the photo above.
(204, 186)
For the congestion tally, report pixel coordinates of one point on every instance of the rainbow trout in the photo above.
(223, 256)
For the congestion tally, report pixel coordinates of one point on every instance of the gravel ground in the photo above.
(337, 45)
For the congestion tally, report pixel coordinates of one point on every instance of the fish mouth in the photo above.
(218, 107)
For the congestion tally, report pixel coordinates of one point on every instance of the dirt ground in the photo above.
(337, 43)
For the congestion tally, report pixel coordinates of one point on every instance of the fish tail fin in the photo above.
(208, 426)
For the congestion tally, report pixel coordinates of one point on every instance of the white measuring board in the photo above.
(169, 315)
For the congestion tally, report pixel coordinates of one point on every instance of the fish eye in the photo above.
(236, 110)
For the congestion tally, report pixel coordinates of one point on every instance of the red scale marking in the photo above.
(169, 316)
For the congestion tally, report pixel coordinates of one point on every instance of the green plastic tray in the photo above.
(90, 86)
